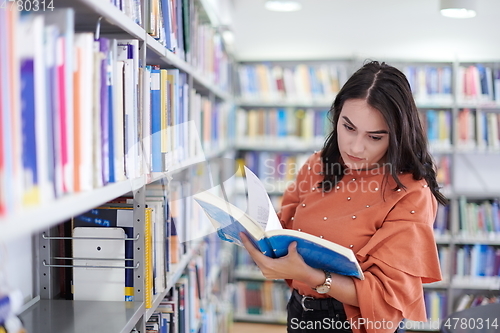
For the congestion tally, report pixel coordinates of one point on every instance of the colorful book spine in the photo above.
(156, 120)
(31, 191)
(148, 259)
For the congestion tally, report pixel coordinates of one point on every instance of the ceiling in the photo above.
(377, 29)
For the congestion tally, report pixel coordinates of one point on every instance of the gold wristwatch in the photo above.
(325, 287)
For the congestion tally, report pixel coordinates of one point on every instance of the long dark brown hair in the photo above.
(386, 89)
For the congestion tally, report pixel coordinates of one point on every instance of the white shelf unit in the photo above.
(45, 314)
(473, 171)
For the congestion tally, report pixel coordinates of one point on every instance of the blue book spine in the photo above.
(489, 261)
(496, 217)
(446, 80)
(156, 121)
(51, 121)
(252, 79)
(111, 156)
(483, 81)
(432, 126)
(105, 112)
(282, 122)
(166, 23)
(432, 80)
(180, 30)
(29, 153)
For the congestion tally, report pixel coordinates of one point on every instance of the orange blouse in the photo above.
(390, 231)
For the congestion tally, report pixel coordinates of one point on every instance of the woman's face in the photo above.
(363, 135)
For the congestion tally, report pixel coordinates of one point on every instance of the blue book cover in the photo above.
(229, 221)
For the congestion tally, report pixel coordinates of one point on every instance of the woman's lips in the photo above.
(354, 158)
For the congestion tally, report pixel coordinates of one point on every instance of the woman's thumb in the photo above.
(292, 247)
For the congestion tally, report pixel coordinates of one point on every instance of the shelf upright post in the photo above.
(139, 195)
(454, 230)
(453, 201)
(139, 203)
(45, 285)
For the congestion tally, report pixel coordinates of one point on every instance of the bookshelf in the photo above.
(102, 113)
(459, 106)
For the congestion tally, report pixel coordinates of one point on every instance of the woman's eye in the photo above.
(376, 138)
(349, 128)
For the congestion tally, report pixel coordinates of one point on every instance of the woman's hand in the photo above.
(291, 266)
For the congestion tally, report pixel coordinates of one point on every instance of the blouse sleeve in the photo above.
(400, 256)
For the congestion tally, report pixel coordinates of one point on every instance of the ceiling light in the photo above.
(283, 5)
(458, 8)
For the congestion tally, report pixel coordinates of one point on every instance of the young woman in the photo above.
(373, 189)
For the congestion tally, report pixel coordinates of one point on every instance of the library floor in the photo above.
(239, 327)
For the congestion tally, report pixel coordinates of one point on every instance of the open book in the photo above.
(263, 228)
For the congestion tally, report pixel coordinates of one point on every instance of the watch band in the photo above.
(325, 286)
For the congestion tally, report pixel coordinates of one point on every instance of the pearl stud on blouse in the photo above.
(353, 217)
(325, 218)
(412, 212)
(367, 206)
(303, 205)
(348, 198)
(293, 218)
(351, 246)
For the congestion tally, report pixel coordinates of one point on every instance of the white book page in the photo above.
(260, 207)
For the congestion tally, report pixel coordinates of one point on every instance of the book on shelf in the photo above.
(113, 216)
(101, 281)
(10, 303)
(128, 53)
(264, 230)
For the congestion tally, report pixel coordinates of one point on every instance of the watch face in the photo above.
(322, 289)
